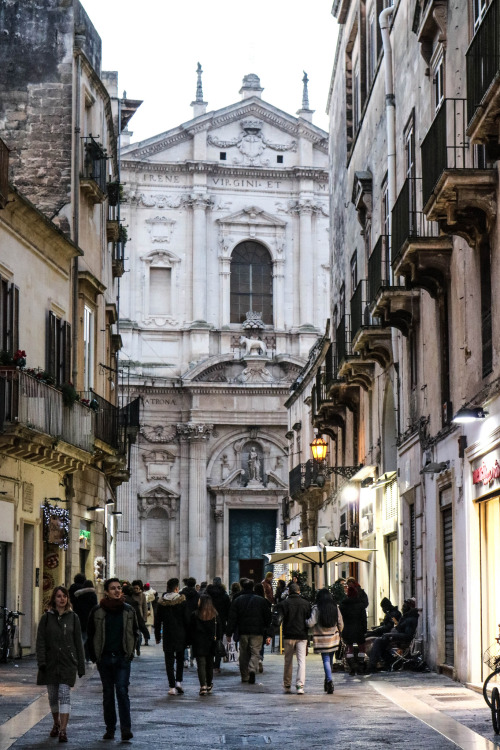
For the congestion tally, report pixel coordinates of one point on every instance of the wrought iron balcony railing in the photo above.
(446, 146)
(95, 164)
(483, 58)
(27, 401)
(343, 339)
(379, 268)
(107, 426)
(360, 308)
(408, 219)
(296, 479)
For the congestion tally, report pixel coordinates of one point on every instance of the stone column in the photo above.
(196, 435)
(225, 291)
(218, 561)
(306, 265)
(200, 203)
(279, 293)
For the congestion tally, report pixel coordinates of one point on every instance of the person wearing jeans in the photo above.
(250, 616)
(295, 611)
(172, 620)
(112, 632)
(327, 623)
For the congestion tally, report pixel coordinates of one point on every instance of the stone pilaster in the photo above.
(306, 284)
(200, 204)
(198, 522)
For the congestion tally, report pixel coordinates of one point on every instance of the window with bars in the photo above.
(58, 349)
(251, 282)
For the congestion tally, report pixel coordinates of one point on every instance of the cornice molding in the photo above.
(214, 168)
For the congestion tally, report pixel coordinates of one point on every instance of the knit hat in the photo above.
(217, 581)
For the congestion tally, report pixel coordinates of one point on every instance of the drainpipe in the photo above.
(76, 215)
(390, 106)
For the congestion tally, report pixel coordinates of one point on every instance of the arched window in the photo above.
(251, 282)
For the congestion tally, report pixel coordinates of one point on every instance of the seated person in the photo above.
(400, 636)
(392, 616)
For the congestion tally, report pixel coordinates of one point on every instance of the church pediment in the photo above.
(251, 215)
(157, 497)
(157, 492)
(245, 370)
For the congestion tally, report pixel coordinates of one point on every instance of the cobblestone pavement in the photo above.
(406, 711)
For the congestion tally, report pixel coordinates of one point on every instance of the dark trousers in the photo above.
(205, 667)
(176, 657)
(115, 677)
(381, 649)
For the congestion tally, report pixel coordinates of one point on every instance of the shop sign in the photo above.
(486, 474)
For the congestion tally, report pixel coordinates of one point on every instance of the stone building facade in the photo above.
(63, 443)
(227, 292)
(414, 145)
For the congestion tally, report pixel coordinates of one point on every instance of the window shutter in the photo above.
(51, 344)
(66, 358)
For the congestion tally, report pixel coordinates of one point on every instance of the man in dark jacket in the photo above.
(400, 636)
(295, 611)
(172, 618)
(392, 615)
(85, 600)
(78, 583)
(250, 615)
(222, 602)
(112, 633)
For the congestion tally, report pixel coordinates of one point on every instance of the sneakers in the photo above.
(172, 691)
(178, 687)
(300, 690)
(210, 688)
(251, 678)
(186, 664)
(204, 690)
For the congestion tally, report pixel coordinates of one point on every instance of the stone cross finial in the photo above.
(199, 87)
(305, 92)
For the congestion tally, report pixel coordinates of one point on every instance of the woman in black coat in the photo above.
(355, 624)
(206, 630)
(59, 654)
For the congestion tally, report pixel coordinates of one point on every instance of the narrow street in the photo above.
(406, 710)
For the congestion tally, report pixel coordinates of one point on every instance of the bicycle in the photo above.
(491, 657)
(8, 633)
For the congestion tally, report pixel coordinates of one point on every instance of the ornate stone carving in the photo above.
(194, 431)
(161, 228)
(252, 143)
(302, 207)
(159, 497)
(158, 464)
(158, 433)
(256, 372)
(253, 347)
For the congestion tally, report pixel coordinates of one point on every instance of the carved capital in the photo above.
(191, 431)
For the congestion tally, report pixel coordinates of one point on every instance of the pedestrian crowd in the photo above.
(192, 624)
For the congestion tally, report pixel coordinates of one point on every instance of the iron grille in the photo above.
(483, 58)
(408, 220)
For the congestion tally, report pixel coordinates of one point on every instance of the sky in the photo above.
(155, 46)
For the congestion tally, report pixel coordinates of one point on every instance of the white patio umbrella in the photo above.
(319, 555)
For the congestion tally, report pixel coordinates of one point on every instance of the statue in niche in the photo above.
(254, 466)
(224, 467)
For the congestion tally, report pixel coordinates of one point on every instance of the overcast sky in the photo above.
(155, 46)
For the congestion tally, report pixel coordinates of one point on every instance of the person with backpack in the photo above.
(327, 623)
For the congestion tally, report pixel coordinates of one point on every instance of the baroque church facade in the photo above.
(227, 291)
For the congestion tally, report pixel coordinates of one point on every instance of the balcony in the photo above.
(459, 192)
(296, 480)
(93, 179)
(420, 253)
(117, 259)
(112, 224)
(4, 174)
(37, 426)
(483, 81)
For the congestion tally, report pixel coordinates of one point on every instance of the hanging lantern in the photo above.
(319, 448)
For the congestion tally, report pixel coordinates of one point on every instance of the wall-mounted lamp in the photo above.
(116, 513)
(319, 448)
(110, 502)
(95, 507)
(469, 414)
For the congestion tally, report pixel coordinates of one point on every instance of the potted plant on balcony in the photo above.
(69, 394)
(14, 361)
(115, 193)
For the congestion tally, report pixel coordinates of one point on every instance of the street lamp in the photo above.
(319, 448)
(469, 414)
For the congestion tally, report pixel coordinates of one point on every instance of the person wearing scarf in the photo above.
(111, 636)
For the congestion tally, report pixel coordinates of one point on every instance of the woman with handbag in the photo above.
(60, 657)
(326, 622)
(206, 635)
